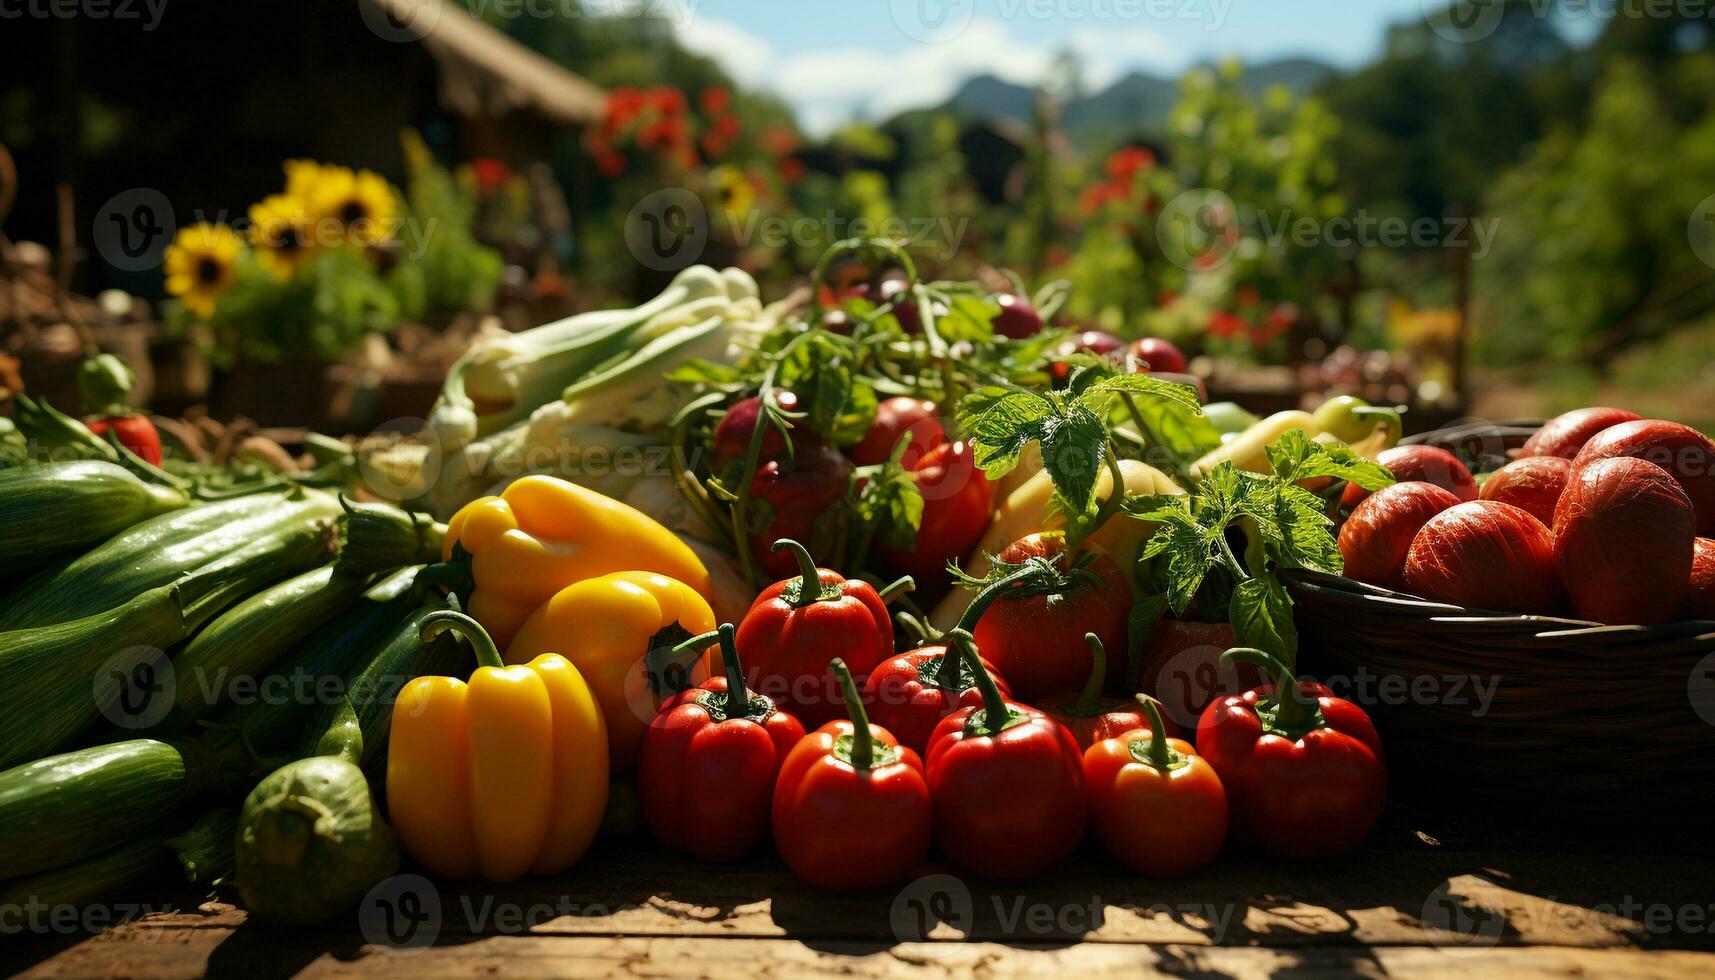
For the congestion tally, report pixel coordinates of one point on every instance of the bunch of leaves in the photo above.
(1280, 524)
(323, 310)
(443, 267)
(1071, 426)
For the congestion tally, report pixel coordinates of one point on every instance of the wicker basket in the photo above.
(1559, 716)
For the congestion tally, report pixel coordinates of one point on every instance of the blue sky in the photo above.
(832, 60)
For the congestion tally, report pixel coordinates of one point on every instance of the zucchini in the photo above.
(50, 672)
(56, 810)
(55, 508)
(248, 638)
(203, 852)
(155, 553)
(372, 690)
(64, 809)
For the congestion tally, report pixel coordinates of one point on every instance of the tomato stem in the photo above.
(810, 580)
(995, 712)
(1089, 701)
(896, 588)
(986, 598)
(1160, 753)
(1293, 713)
(442, 620)
(863, 743)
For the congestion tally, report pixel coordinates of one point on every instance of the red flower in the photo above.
(1123, 163)
(779, 141)
(623, 103)
(1225, 323)
(490, 174)
(1247, 297)
(714, 100)
(610, 164)
(727, 127)
(667, 100)
(791, 170)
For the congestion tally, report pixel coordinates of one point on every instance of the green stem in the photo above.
(947, 674)
(995, 712)
(1293, 714)
(986, 598)
(1116, 497)
(809, 578)
(441, 620)
(1090, 698)
(1160, 753)
(1232, 560)
(752, 460)
(895, 589)
(1148, 434)
(863, 743)
(737, 695)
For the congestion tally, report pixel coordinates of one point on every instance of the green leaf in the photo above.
(1297, 531)
(1261, 614)
(1002, 422)
(1295, 457)
(891, 506)
(1179, 434)
(1146, 612)
(1073, 448)
(1147, 385)
(705, 372)
(969, 317)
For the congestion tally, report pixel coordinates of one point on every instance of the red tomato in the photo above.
(1158, 355)
(1037, 643)
(1533, 482)
(1686, 454)
(798, 495)
(1565, 435)
(1376, 538)
(957, 501)
(893, 418)
(1624, 536)
(1425, 463)
(1485, 555)
(1700, 599)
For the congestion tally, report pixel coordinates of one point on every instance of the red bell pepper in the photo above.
(1008, 785)
(910, 694)
(799, 492)
(1037, 640)
(1088, 715)
(851, 808)
(958, 501)
(1303, 769)
(709, 762)
(799, 624)
(1155, 804)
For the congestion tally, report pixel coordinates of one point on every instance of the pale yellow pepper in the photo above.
(501, 777)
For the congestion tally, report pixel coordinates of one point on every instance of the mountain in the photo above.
(1138, 102)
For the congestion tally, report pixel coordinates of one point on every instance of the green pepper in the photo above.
(1350, 419)
(1229, 416)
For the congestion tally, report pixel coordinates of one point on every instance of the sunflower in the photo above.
(302, 178)
(359, 204)
(200, 264)
(283, 230)
(733, 189)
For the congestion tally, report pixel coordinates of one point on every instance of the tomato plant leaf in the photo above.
(1073, 448)
(1001, 422)
(1146, 613)
(1295, 457)
(1261, 614)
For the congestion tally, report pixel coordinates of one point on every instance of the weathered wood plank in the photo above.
(219, 952)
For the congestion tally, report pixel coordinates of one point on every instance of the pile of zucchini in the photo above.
(163, 657)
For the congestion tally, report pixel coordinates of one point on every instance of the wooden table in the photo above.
(1410, 906)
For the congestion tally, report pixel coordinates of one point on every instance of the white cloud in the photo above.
(829, 86)
(746, 57)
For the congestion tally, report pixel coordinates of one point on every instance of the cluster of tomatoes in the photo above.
(1603, 514)
(983, 755)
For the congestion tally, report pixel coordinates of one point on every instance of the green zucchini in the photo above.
(50, 673)
(155, 553)
(58, 810)
(65, 809)
(372, 690)
(55, 508)
(247, 639)
(202, 851)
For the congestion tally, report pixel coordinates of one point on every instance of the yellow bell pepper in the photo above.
(617, 630)
(501, 777)
(542, 534)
